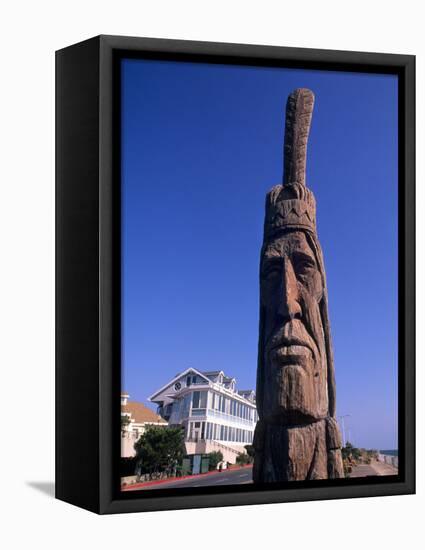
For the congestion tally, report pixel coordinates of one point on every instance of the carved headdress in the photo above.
(292, 204)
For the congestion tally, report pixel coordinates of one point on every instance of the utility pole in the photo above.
(343, 428)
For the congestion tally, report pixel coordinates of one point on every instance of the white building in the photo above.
(215, 416)
(135, 417)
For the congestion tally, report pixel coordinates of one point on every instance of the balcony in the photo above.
(180, 416)
(230, 418)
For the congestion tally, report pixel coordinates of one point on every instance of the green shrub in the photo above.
(215, 457)
(159, 451)
(243, 459)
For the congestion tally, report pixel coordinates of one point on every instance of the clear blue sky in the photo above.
(202, 144)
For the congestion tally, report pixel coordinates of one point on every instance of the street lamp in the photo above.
(343, 427)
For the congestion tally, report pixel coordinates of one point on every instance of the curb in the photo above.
(171, 479)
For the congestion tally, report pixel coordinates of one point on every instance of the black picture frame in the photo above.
(88, 272)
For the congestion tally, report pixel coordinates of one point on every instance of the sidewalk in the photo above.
(383, 469)
(375, 468)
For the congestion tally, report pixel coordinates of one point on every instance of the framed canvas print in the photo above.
(235, 274)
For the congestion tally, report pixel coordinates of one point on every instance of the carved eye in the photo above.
(272, 270)
(304, 266)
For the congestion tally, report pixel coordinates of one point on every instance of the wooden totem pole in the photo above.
(297, 436)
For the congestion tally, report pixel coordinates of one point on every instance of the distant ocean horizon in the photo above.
(392, 452)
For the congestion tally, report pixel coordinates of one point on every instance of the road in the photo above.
(226, 477)
(244, 475)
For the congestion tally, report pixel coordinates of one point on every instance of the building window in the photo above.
(195, 400)
(195, 431)
(186, 405)
(199, 400)
(217, 402)
(175, 408)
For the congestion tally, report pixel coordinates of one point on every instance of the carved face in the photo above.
(294, 354)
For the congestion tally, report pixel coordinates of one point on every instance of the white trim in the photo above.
(190, 369)
(219, 388)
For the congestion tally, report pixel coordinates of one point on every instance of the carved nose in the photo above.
(289, 304)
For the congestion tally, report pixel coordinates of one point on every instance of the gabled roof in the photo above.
(140, 413)
(171, 382)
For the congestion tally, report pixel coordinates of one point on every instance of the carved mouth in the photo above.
(294, 347)
(294, 354)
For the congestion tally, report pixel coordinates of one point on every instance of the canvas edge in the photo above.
(107, 376)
